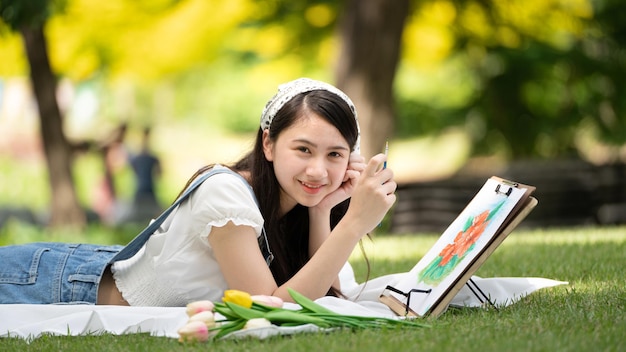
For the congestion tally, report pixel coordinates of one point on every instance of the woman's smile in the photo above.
(311, 188)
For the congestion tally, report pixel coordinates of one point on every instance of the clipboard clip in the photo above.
(407, 295)
(508, 191)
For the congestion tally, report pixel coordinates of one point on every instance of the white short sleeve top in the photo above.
(177, 265)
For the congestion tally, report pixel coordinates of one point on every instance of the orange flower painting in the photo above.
(453, 253)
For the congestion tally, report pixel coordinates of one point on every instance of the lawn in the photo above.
(587, 314)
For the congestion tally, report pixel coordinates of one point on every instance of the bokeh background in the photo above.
(531, 90)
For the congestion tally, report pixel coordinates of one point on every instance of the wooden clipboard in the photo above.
(521, 209)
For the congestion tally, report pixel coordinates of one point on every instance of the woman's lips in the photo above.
(311, 188)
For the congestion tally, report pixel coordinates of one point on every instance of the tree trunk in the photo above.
(64, 208)
(371, 35)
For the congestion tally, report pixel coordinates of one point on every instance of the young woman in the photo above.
(287, 215)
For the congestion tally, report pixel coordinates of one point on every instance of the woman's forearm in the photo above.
(321, 271)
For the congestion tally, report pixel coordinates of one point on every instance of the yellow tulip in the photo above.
(238, 297)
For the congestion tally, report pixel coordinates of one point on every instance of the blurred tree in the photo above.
(29, 18)
(603, 50)
(533, 72)
(371, 37)
(541, 74)
(549, 69)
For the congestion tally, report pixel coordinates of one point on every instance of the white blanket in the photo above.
(29, 321)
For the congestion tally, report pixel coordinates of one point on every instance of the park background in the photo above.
(531, 90)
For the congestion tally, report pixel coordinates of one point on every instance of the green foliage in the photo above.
(416, 118)
(305, 24)
(540, 72)
(521, 76)
(32, 13)
(541, 89)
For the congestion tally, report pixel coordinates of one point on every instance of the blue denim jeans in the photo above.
(52, 273)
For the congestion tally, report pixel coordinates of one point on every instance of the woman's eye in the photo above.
(303, 149)
(335, 155)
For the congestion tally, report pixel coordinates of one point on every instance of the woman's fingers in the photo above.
(351, 175)
(375, 164)
(357, 162)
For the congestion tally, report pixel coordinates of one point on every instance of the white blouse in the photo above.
(177, 265)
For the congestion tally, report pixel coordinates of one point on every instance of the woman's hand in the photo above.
(372, 196)
(356, 165)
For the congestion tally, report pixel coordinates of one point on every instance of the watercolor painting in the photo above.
(464, 242)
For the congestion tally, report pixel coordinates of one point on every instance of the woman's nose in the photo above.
(316, 168)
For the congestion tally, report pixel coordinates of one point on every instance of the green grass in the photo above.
(586, 315)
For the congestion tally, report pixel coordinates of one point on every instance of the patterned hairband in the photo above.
(289, 90)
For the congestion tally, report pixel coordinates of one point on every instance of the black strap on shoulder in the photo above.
(137, 243)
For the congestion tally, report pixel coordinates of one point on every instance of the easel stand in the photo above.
(474, 288)
(480, 293)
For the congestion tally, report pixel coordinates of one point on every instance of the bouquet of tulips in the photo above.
(243, 311)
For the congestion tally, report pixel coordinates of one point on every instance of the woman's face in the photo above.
(310, 160)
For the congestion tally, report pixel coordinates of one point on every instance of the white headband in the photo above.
(289, 90)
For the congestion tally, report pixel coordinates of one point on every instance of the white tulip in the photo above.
(257, 323)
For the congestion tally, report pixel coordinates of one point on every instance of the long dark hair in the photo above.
(288, 236)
